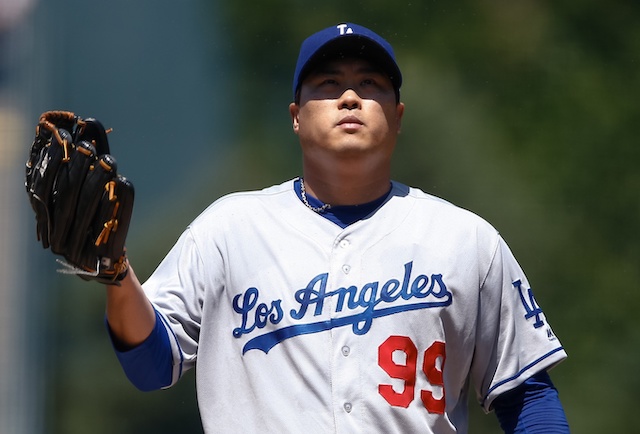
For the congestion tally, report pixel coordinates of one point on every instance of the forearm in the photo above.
(130, 314)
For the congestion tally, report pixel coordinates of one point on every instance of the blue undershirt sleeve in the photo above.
(532, 408)
(148, 366)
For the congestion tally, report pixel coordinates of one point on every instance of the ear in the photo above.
(294, 111)
(399, 114)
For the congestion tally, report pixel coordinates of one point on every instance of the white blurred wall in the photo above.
(21, 369)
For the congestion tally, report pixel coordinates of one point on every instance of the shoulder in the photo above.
(245, 204)
(438, 222)
(438, 209)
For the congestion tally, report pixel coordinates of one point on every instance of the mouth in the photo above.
(350, 122)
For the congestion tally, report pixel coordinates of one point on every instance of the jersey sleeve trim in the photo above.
(175, 350)
(550, 359)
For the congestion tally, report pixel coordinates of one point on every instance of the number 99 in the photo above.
(407, 372)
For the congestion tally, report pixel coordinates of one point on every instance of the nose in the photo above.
(349, 100)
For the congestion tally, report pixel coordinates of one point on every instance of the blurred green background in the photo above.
(525, 112)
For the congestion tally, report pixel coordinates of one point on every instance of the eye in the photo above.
(329, 81)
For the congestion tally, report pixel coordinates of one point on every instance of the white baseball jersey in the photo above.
(296, 325)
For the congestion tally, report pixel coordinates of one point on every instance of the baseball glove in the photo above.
(83, 206)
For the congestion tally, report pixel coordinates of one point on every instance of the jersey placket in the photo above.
(345, 372)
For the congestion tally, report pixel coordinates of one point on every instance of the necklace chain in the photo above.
(303, 193)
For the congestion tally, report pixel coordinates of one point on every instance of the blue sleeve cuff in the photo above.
(149, 365)
(533, 407)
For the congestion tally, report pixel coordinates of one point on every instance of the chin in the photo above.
(353, 149)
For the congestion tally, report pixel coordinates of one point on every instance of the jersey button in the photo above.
(346, 268)
(346, 351)
(344, 244)
(348, 407)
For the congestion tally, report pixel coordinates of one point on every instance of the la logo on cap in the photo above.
(344, 29)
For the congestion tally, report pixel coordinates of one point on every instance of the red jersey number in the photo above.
(398, 357)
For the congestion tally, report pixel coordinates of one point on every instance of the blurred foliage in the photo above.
(524, 112)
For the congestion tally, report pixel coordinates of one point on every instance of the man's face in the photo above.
(347, 108)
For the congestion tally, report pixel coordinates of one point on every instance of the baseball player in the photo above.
(342, 301)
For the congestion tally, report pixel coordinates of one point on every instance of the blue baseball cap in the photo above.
(344, 40)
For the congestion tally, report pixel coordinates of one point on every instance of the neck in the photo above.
(348, 187)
